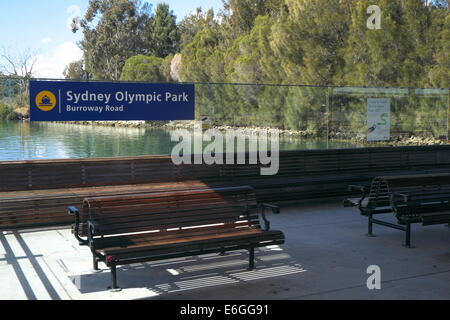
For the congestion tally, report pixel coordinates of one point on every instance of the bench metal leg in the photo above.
(408, 236)
(95, 268)
(114, 287)
(370, 227)
(406, 229)
(251, 259)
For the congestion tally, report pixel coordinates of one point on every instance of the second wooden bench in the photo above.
(421, 198)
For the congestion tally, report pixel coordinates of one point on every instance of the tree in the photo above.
(240, 15)
(307, 39)
(161, 32)
(202, 60)
(19, 65)
(419, 42)
(144, 68)
(372, 57)
(251, 58)
(113, 31)
(439, 74)
(397, 55)
(76, 71)
(193, 23)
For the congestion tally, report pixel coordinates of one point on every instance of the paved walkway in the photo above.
(326, 256)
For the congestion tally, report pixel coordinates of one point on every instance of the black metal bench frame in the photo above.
(375, 205)
(92, 235)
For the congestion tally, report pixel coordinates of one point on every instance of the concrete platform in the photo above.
(326, 256)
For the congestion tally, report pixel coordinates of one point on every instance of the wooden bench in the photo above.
(315, 174)
(36, 193)
(423, 198)
(144, 227)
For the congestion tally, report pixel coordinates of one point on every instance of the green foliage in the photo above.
(162, 33)
(397, 54)
(7, 112)
(314, 42)
(75, 71)
(310, 42)
(113, 31)
(193, 23)
(202, 61)
(251, 59)
(323, 42)
(440, 72)
(321, 30)
(241, 14)
(10, 87)
(144, 68)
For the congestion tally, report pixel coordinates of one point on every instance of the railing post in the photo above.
(448, 107)
(328, 116)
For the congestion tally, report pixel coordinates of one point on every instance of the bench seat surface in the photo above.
(179, 240)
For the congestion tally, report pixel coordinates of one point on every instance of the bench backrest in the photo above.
(379, 194)
(417, 206)
(52, 174)
(425, 193)
(419, 194)
(168, 211)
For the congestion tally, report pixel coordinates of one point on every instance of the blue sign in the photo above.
(91, 101)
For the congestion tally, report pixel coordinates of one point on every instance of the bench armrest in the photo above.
(363, 189)
(76, 229)
(74, 211)
(353, 187)
(397, 196)
(275, 210)
(93, 228)
(274, 207)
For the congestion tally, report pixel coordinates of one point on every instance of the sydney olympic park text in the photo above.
(125, 96)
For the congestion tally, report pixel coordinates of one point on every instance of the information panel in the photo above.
(104, 101)
(378, 119)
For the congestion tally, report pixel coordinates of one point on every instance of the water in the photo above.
(37, 140)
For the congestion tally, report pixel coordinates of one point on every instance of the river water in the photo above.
(38, 140)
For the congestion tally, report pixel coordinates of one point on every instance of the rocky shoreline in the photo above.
(283, 133)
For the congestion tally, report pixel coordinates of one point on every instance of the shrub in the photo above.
(144, 68)
(7, 112)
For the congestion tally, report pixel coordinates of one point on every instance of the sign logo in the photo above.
(45, 100)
